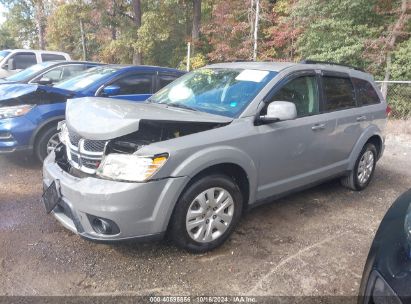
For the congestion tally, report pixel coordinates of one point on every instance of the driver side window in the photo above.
(303, 92)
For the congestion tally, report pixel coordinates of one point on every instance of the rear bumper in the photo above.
(140, 210)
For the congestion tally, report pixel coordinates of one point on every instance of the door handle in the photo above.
(318, 127)
(361, 118)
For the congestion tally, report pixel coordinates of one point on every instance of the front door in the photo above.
(135, 87)
(293, 152)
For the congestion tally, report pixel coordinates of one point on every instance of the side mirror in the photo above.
(45, 81)
(111, 90)
(10, 64)
(279, 111)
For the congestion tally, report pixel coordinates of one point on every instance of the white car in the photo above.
(13, 61)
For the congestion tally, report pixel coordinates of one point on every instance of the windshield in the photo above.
(3, 54)
(224, 92)
(83, 80)
(29, 72)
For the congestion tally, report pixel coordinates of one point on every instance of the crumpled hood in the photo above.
(13, 94)
(101, 118)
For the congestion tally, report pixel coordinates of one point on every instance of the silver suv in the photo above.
(210, 145)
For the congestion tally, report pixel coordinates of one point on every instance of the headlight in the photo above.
(15, 111)
(130, 167)
(64, 134)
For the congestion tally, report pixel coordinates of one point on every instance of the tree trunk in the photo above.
(137, 56)
(40, 23)
(401, 21)
(257, 16)
(83, 40)
(195, 33)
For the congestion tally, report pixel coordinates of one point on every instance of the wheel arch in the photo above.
(43, 126)
(226, 160)
(373, 135)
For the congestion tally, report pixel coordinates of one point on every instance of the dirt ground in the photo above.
(311, 243)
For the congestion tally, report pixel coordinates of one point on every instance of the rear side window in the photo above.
(52, 57)
(164, 80)
(24, 60)
(366, 94)
(338, 93)
(72, 70)
(135, 84)
(54, 75)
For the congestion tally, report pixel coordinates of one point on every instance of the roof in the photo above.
(66, 62)
(279, 66)
(268, 66)
(36, 51)
(143, 67)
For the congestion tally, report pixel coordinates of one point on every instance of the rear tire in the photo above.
(359, 178)
(46, 141)
(200, 224)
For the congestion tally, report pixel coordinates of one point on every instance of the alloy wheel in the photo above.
(52, 143)
(365, 167)
(209, 215)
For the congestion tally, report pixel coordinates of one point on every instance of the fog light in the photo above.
(103, 226)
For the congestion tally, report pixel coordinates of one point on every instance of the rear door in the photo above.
(339, 103)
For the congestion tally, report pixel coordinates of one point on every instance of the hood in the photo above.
(101, 118)
(20, 93)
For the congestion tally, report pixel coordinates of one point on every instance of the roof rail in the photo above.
(309, 61)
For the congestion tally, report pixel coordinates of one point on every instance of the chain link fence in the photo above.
(398, 98)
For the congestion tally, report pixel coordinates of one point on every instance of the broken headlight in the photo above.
(130, 167)
(64, 134)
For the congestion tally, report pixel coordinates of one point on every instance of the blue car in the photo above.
(29, 113)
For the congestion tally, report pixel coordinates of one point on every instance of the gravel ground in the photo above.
(311, 243)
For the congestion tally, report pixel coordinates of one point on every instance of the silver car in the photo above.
(208, 146)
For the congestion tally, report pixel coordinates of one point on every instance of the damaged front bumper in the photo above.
(140, 210)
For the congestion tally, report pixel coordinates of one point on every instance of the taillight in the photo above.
(388, 111)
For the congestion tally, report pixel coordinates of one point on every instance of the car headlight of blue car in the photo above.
(15, 111)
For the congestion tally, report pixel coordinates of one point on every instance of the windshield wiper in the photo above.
(181, 106)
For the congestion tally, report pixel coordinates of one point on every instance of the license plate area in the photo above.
(52, 196)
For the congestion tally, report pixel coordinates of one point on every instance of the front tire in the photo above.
(46, 141)
(363, 171)
(206, 213)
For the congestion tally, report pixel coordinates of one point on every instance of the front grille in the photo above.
(74, 138)
(85, 154)
(91, 164)
(94, 145)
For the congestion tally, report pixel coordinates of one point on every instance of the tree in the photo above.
(195, 33)
(27, 20)
(226, 30)
(337, 30)
(40, 21)
(6, 39)
(64, 31)
(400, 23)
(138, 56)
(20, 22)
